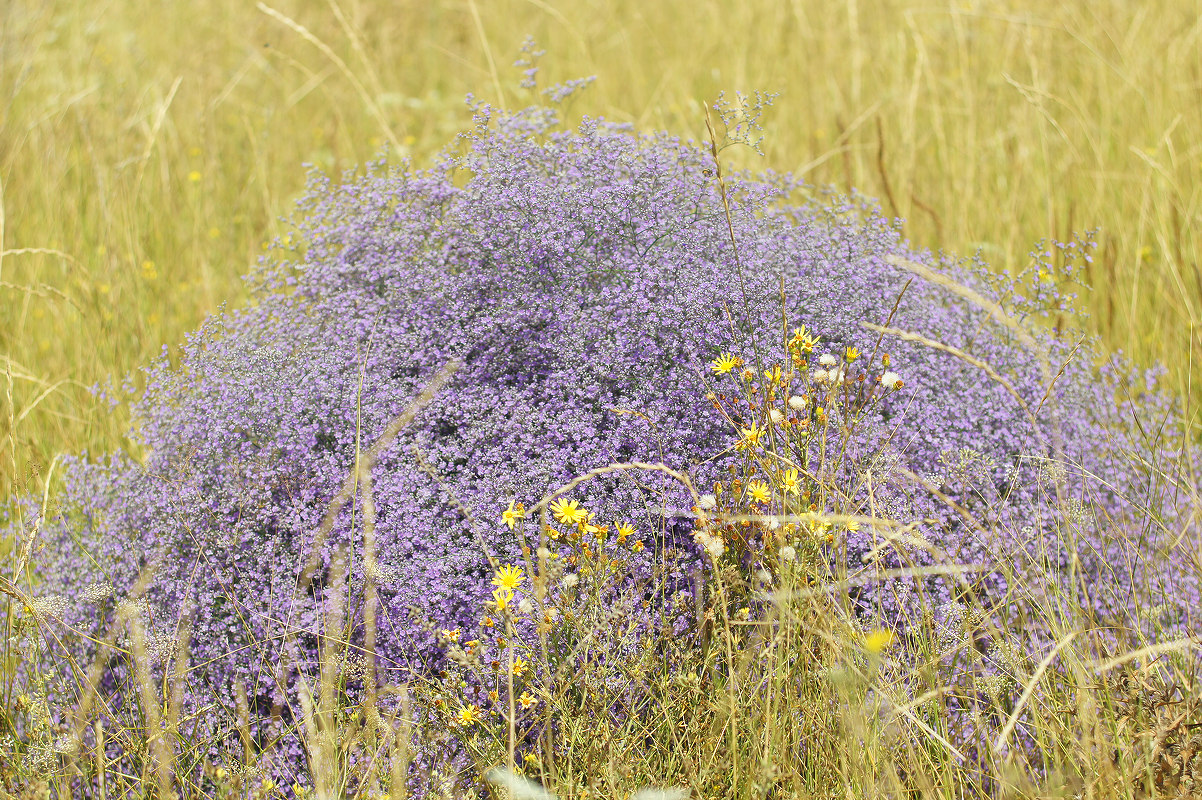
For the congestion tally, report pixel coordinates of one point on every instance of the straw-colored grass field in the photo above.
(148, 151)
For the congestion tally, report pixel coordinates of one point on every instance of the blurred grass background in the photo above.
(148, 148)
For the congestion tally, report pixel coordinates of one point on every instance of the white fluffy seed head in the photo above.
(827, 360)
(776, 416)
(797, 403)
(707, 502)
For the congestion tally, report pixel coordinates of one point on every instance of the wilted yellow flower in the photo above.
(750, 437)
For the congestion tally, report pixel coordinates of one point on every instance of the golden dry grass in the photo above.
(152, 146)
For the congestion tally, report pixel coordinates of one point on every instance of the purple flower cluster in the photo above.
(578, 275)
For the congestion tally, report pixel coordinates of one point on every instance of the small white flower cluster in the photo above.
(97, 592)
(711, 544)
(995, 687)
(161, 646)
(950, 630)
(53, 606)
(139, 607)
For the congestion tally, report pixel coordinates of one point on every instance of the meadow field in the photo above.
(150, 151)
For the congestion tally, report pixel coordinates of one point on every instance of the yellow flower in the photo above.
(511, 515)
(724, 363)
(878, 640)
(625, 531)
(789, 480)
(468, 715)
(851, 354)
(751, 437)
(803, 340)
(567, 512)
(494, 696)
(527, 700)
(501, 599)
(509, 577)
(584, 523)
(758, 491)
(451, 635)
(637, 547)
(194, 176)
(487, 622)
(772, 375)
(519, 665)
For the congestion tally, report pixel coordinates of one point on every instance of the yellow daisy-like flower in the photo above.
(637, 547)
(789, 481)
(519, 666)
(724, 363)
(803, 340)
(487, 622)
(625, 531)
(759, 491)
(851, 354)
(772, 375)
(509, 577)
(511, 515)
(451, 634)
(526, 701)
(878, 640)
(567, 512)
(468, 715)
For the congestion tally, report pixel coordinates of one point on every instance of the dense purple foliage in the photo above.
(574, 273)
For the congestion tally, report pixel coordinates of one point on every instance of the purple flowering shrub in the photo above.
(586, 279)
